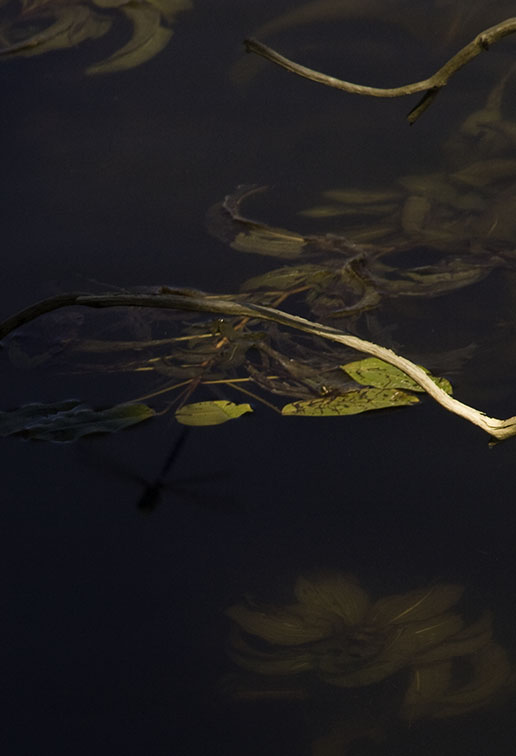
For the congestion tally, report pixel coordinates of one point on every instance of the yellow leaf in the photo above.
(210, 413)
(351, 403)
(374, 372)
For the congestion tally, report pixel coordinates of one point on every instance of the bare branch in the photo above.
(198, 301)
(430, 86)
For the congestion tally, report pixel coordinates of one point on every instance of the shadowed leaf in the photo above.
(69, 420)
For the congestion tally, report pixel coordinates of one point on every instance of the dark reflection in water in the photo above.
(116, 634)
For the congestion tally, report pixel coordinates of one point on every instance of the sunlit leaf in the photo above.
(210, 413)
(374, 372)
(420, 604)
(69, 420)
(351, 403)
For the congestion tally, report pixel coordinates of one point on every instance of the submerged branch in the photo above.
(430, 86)
(198, 301)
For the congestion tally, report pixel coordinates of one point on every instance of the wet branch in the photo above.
(198, 301)
(430, 86)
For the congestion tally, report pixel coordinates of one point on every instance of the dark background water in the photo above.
(115, 634)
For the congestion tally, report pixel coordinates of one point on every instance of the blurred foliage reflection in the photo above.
(33, 27)
(433, 662)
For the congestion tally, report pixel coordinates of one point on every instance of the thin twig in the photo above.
(197, 301)
(430, 86)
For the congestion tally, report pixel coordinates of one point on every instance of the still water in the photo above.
(117, 639)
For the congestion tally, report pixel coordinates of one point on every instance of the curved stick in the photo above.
(198, 301)
(432, 85)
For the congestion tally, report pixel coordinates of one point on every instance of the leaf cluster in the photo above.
(335, 632)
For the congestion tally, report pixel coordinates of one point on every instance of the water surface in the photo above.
(116, 637)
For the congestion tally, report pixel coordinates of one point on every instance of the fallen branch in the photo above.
(430, 86)
(198, 301)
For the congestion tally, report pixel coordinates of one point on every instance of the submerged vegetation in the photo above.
(460, 215)
(299, 338)
(34, 27)
(334, 635)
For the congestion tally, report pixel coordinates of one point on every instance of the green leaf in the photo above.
(210, 413)
(377, 373)
(351, 403)
(69, 420)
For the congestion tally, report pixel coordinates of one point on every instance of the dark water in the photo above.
(115, 633)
